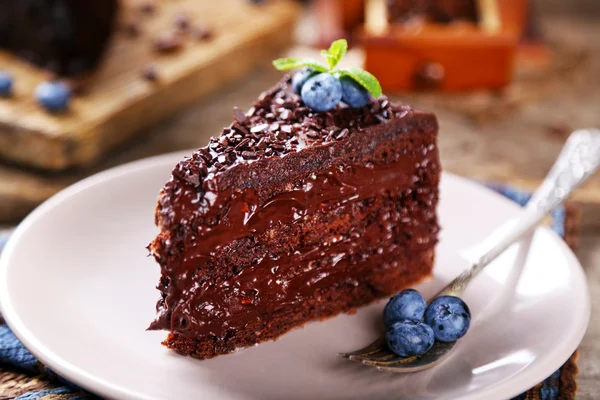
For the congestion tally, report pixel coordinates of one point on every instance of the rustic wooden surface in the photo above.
(118, 102)
(510, 137)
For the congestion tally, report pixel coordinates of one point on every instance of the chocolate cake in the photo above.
(65, 36)
(292, 215)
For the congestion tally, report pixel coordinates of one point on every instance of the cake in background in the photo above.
(67, 37)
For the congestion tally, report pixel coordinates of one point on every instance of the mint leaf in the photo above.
(283, 64)
(364, 78)
(336, 51)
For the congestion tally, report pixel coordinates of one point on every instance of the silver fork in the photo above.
(578, 160)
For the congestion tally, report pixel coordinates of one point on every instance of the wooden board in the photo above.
(118, 102)
(513, 141)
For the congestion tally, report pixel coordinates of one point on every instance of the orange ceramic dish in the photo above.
(444, 57)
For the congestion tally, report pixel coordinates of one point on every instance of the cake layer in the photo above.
(345, 296)
(382, 231)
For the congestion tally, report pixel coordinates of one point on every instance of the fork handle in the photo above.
(578, 160)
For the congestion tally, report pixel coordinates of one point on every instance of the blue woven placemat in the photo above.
(23, 377)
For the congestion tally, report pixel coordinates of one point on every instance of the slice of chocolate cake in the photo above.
(65, 36)
(291, 216)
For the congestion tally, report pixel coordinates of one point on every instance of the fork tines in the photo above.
(378, 355)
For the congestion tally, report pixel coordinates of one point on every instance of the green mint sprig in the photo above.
(333, 56)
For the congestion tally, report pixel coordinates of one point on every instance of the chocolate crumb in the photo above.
(131, 29)
(147, 7)
(78, 85)
(249, 154)
(168, 42)
(559, 130)
(182, 22)
(239, 115)
(203, 32)
(149, 73)
(242, 144)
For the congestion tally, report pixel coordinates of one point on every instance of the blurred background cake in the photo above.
(68, 37)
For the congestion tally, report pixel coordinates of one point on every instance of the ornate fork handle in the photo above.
(578, 161)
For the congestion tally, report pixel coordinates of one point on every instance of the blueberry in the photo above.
(449, 317)
(6, 83)
(322, 92)
(408, 304)
(301, 77)
(409, 337)
(353, 93)
(54, 96)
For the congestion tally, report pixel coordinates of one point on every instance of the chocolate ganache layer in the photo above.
(287, 204)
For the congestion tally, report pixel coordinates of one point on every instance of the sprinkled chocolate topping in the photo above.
(279, 123)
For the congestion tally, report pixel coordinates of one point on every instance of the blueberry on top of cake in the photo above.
(294, 214)
(65, 36)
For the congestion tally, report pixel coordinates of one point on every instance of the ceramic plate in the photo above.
(77, 288)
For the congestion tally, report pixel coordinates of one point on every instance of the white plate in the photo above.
(77, 288)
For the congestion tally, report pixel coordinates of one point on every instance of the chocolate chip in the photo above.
(223, 141)
(203, 32)
(204, 154)
(259, 128)
(249, 154)
(262, 143)
(242, 144)
(192, 178)
(149, 73)
(147, 7)
(274, 126)
(168, 42)
(242, 129)
(239, 115)
(78, 85)
(131, 29)
(182, 22)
